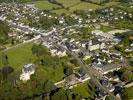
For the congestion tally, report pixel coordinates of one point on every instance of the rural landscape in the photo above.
(66, 49)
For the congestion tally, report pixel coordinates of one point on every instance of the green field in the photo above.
(20, 56)
(83, 90)
(106, 28)
(85, 6)
(126, 7)
(45, 5)
(70, 6)
(96, 1)
(111, 4)
(69, 3)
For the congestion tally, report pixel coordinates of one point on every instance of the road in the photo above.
(18, 45)
(89, 71)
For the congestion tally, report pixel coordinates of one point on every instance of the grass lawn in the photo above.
(83, 90)
(106, 28)
(53, 69)
(20, 56)
(45, 5)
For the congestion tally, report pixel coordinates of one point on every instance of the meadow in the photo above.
(45, 5)
(18, 57)
(70, 6)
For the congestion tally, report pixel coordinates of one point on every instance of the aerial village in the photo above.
(90, 39)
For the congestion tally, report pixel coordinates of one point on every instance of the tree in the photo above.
(47, 22)
(109, 98)
(62, 95)
(68, 71)
(127, 76)
(70, 20)
(4, 29)
(39, 50)
(48, 86)
(6, 71)
(127, 94)
(4, 59)
(74, 61)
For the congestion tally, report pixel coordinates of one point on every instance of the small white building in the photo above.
(96, 45)
(27, 71)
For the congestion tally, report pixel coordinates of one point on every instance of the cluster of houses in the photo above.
(106, 15)
(99, 47)
(112, 14)
(73, 80)
(19, 17)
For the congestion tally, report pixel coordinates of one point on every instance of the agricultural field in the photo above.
(111, 4)
(70, 6)
(81, 6)
(126, 7)
(96, 1)
(45, 5)
(69, 3)
(85, 6)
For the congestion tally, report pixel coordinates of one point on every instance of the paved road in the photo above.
(18, 45)
(89, 71)
(92, 72)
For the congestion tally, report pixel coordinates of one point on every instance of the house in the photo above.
(112, 76)
(61, 20)
(94, 45)
(71, 81)
(102, 34)
(75, 79)
(57, 52)
(27, 71)
(108, 85)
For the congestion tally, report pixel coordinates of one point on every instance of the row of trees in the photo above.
(4, 29)
(126, 74)
(127, 94)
